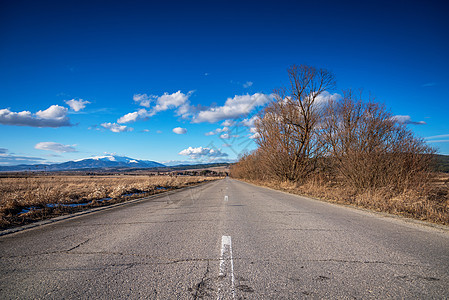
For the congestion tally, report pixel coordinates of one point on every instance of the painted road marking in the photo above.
(226, 289)
(226, 198)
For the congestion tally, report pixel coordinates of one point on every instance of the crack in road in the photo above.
(77, 246)
(139, 223)
(200, 287)
(180, 260)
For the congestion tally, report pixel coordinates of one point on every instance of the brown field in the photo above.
(429, 202)
(27, 199)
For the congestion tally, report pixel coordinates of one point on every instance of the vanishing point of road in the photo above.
(226, 240)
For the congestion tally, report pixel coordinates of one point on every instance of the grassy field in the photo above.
(427, 202)
(27, 199)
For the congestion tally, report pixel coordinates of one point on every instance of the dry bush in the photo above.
(348, 151)
(370, 150)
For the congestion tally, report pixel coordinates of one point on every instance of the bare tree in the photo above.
(288, 128)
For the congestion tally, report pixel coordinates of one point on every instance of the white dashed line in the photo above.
(226, 288)
(226, 198)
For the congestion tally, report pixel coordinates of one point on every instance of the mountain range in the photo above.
(96, 162)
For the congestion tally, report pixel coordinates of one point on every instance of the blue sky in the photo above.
(144, 68)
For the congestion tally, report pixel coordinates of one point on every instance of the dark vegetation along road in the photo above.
(226, 240)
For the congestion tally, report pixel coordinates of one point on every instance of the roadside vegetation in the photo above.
(347, 149)
(29, 198)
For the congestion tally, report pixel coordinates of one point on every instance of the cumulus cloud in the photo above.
(77, 105)
(247, 84)
(405, 119)
(201, 153)
(54, 116)
(325, 97)
(228, 136)
(56, 147)
(134, 116)
(170, 101)
(178, 101)
(179, 130)
(217, 131)
(143, 99)
(54, 112)
(114, 127)
(228, 123)
(249, 122)
(233, 108)
(254, 136)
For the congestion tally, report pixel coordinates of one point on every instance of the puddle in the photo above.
(53, 205)
(28, 209)
(133, 194)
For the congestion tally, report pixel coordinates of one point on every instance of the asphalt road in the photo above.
(226, 240)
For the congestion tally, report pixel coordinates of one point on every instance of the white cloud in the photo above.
(325, 97)
(254, 136)
(143, 99)
(77, 105)
(247, 84)
(54, 112)
(56, 147)
(178, 100)
(233, 108)
(169, 101)
(405, 119)
(438, 141)
(54, 116)
(200, 153)
(228, 136)
(249, 122)
(227, 123)
(437, 136)
(217, 131)
(179, 130)
(11, 160)
(134, 116)
(442, 138)
(146, 130)
(116, 127)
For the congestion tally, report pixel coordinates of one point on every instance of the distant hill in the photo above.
(97, 162)
(442, 163)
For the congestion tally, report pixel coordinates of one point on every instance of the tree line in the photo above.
(305, 134)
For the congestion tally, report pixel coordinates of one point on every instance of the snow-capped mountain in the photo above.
(96, 162)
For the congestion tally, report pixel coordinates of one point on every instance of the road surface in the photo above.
(226, 240)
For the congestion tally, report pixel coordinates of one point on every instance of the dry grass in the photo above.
(429, 202)
(17, 194)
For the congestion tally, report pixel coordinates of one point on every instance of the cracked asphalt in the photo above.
(283, 246)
